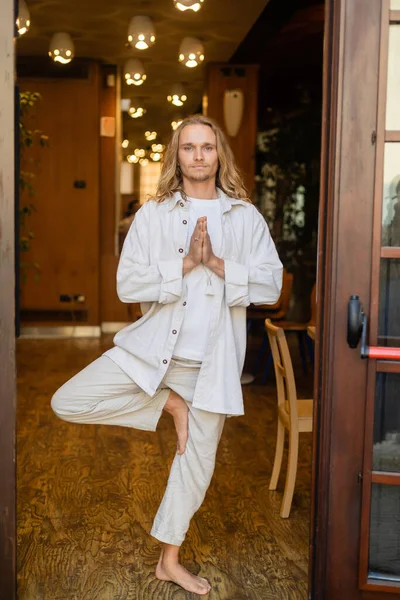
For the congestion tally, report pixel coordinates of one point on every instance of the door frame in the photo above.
(350, 113)
(7, 307)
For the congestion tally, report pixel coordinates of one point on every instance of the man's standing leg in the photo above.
(188, 482)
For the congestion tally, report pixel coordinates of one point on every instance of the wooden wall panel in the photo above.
(222, 77)
(66, 224)
(111, 308)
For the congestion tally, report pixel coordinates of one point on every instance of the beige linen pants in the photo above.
(104, 394)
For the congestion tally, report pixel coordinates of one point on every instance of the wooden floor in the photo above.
(87, 496)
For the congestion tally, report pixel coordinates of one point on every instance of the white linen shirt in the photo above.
(150, 272)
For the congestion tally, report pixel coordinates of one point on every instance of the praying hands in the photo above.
(200, 251)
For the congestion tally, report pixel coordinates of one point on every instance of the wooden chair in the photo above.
(300, 329)
(275, 311)
(293, 414)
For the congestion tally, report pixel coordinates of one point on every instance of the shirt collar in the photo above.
(226, 201)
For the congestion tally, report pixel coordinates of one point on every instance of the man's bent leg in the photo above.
(103, 393)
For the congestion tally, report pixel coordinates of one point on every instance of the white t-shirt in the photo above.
(193, 336)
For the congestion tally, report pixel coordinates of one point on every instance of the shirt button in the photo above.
(181, 204)
(165, 361)
(184, 222)
(184, 304)
(174, 331)
(180, 249)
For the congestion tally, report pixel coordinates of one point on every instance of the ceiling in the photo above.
(99, 30)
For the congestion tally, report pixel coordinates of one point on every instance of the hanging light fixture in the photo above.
(156, 156)
(150, 135)
(134, 72)
(131, 158)
(158, 147)
(24, 18)
(176, 122)
(144, 162)
(125, 143)
(136, 112)
(62, 48)
(141, 33)
(191, 52)
(139, 152)
(178, 96)
(194, 5)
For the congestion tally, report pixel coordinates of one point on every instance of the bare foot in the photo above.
(177, 407)
(173, 571)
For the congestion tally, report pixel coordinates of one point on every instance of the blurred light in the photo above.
(125, 143)
(139, 152)
(178, 96)
(131, 158)
(156, 156)
(141, 32)
(150, 135)
(158, 147)
(136, 112)
(175, 124)
(62, 48)
(194, 5)
(24, 18)
(191, 52)
(144, 162)
(134, 72)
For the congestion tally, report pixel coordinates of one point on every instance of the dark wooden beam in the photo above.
(7, 306)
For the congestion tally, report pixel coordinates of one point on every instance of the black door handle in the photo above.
(357, 325)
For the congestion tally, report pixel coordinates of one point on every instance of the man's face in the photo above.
(197, 154)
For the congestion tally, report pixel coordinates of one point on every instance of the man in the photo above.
(195, 257)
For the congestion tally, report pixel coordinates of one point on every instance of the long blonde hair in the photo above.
(228, 179)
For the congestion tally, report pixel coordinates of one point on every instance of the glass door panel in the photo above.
(384, 550)
(386, 451)
(389, 303)
(391, 191)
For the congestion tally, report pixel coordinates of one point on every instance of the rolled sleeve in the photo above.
(236, 284)
(171, 284)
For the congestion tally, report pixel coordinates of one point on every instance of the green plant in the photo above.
(288, 173)
(28, 138)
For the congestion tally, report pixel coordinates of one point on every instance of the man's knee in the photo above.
(61, 404)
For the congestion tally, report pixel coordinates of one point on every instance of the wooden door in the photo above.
(356, 512)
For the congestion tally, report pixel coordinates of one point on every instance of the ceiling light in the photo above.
(131, 158)
(155, 156)
(177, 96)
(191, 52)
(134, 72)
(62, 48)
(175, 124)
(125, 143)
(194, 5)
(139, 152)
(141, 32)
(157, 147)
(144, 162)
(150, 135)
(24, 18)
(136, 112)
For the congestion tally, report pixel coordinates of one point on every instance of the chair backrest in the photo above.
(285, 382)
(287, 284)
(282, 304)
(313, 316)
